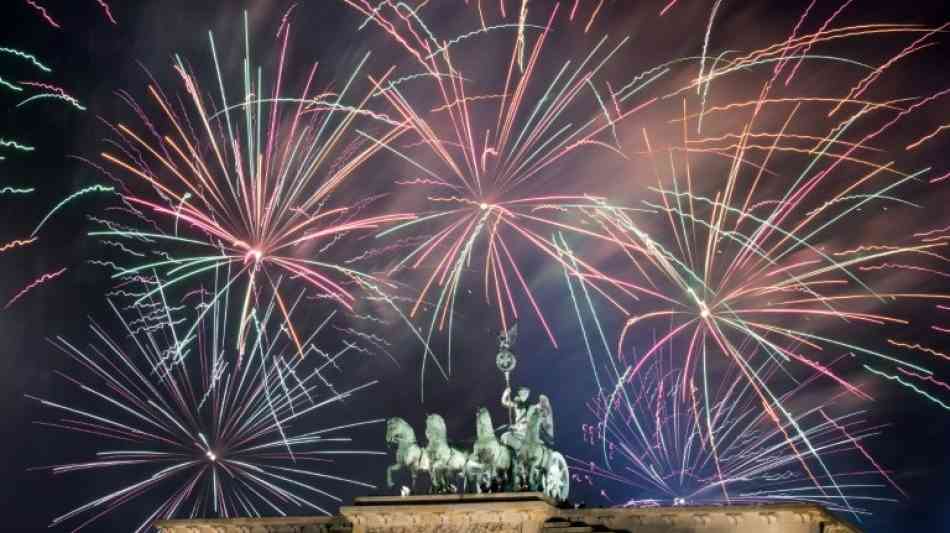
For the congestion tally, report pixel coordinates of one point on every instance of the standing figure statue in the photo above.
(520, 407)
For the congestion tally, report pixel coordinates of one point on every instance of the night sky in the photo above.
(96, 60)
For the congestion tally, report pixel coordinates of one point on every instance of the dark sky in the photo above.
(93, 59)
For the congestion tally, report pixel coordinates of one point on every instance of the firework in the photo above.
(253, 183)
(713, 444)
(484, 155)
(746, 236)
(196, 431)
(767, 243)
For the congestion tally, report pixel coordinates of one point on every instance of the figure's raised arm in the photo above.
(506, 398)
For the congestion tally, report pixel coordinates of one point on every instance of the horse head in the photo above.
(435, 429)
(483, 424)
(398, 431)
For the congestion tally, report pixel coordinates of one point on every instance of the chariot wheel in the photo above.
(557, 478)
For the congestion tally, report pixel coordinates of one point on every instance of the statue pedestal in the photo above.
(501, 512)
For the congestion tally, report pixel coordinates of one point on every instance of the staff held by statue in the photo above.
(506, 362)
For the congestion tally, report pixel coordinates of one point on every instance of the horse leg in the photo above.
(474, 477)
(459, 482)
(389, 474)
(445, 482)
(517, 476)
(469, 476)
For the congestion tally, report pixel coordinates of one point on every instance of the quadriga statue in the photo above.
(519, 460)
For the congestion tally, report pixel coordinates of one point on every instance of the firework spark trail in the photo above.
(911, 386)
(222, 436)
(782, 61)
(34, 284)
(593, 16)
(797, 194)
(732, 106)
(4, 143)
(703, 55)
(928, 137)
(26, 55)
(940, 178)
(778, 52)
(11, 86)
(520, 42)
(16, 190)
(284, 20)
(811, 43)
(54, 89)
(920, 348)
(43, 13)
(865, 83)
(16, 243)
(108, 11)
(668, 7)
(65, 201)
(904, 268)
(54, 96)
(930, 379)
(883, 472)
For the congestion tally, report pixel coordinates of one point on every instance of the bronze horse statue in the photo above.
(445, 462)
(537, 467)
(409, 455)
(490, 461)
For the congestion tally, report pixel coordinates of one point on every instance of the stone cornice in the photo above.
(524, 513)
(698, 517)
(497, 512)
(291, 524)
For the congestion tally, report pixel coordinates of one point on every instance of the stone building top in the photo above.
(528, 513)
